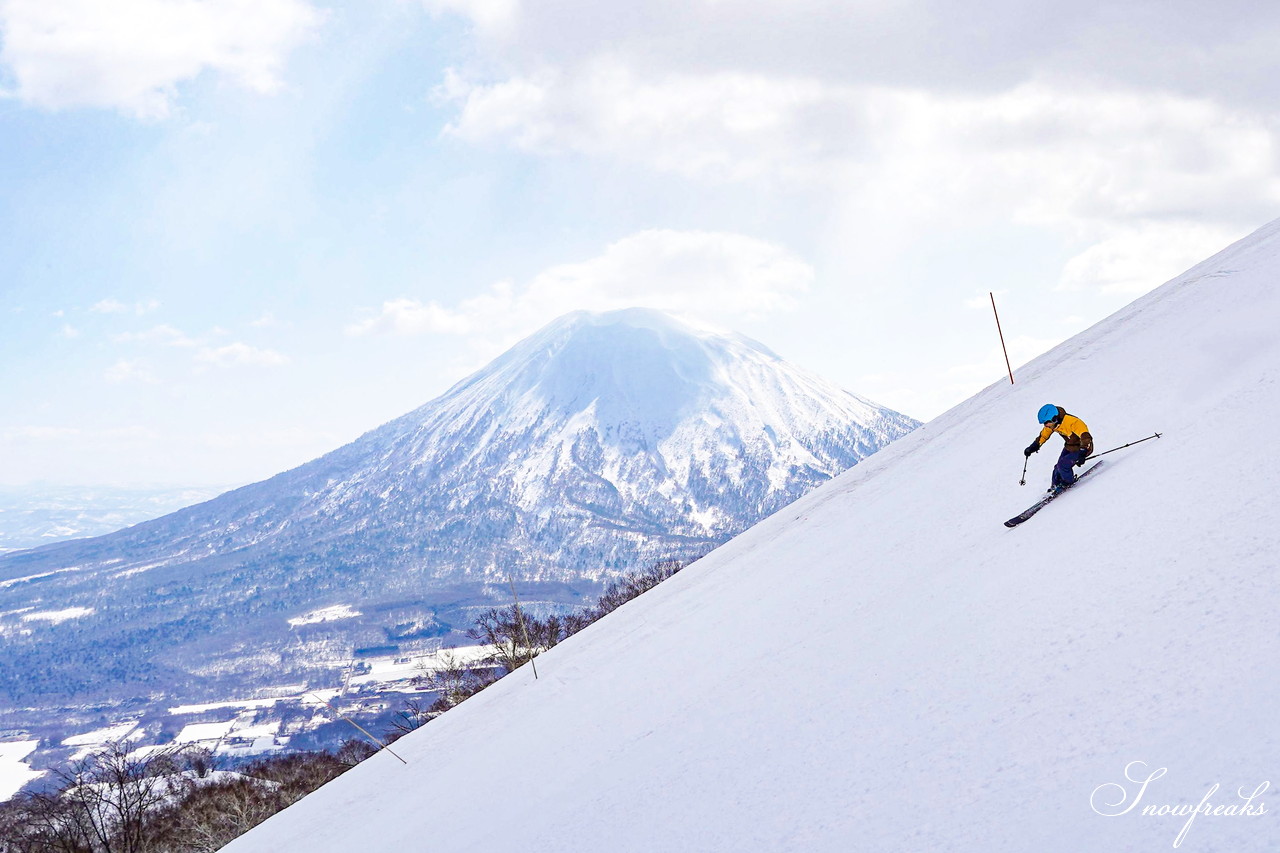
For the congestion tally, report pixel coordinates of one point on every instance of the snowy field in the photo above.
(244, 734)
(90, 742)
(101, 736)
(951, 685)
(325, 614)
(14, 771)
(57, 616)
(390, 669)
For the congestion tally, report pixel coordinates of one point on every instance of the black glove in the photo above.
(1083, 458)
(1031, 448)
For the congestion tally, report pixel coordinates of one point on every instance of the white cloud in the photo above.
(240, 354)
(68, 331)
(1121, 177)
(131, 55)
(876, 115)
(115, 306)
(1042, 154)
(234, 354)
(493, 18)
(411, 317)
(728, 125)
(126, 370)
(916, 44)
(706, 274)
(164, 335)
(39, 433)
(1143, 184)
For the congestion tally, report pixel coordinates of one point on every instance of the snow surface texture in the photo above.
(883, 666)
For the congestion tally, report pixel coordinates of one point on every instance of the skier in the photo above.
(1078, 446)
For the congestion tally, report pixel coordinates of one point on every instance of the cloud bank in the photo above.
(705, 274)
(131, 55)
(1142, 133)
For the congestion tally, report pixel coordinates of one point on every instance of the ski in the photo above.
(1047, 499)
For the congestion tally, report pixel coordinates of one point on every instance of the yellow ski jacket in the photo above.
(1073, 430)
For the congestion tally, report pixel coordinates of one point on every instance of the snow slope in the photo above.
(926, 679)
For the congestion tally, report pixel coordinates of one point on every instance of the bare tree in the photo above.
(414, 715)
(297, 774)
(112, 792)
(210, 816)
(454, 680)
(103, 804)
(118, 802)
(500, 630)
(42, 823)
(513, 642)
(627, 587)
(353, 751)
(198, 760)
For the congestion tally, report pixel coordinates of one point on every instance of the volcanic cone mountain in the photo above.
(600, 444)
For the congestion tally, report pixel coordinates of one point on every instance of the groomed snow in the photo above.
(948, 684)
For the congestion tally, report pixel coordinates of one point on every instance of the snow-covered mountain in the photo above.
(946, 683)
(602, 443)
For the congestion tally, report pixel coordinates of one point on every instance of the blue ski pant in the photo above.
(1063, 475)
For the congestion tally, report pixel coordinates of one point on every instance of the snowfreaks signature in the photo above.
(1110, 799)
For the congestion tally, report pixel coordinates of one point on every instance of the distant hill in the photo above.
(32, 516)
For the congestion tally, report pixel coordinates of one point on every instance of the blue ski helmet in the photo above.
(1047, 413)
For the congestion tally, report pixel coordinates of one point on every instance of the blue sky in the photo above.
(235, 235)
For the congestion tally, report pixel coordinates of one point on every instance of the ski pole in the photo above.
(1023, 481)
(1121, 447)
